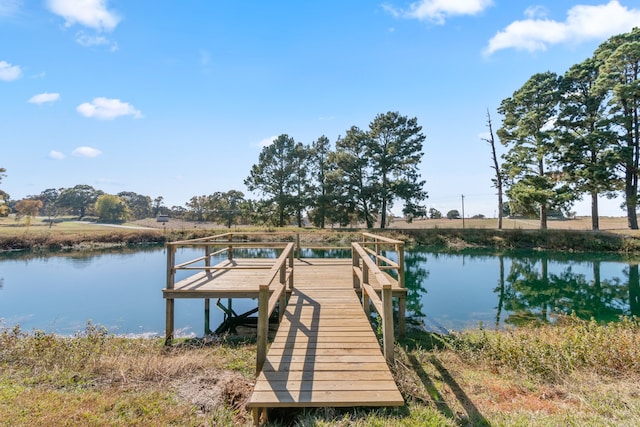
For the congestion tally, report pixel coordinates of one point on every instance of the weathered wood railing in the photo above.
(266, 303)
(380, 244)
(376, 246)
(384, 306)
(226, 244)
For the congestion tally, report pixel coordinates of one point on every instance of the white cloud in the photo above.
(9, 72)
(438, 10)
(107, 109)
(56, 155)
(87, 40)
(89, 13)
(533, 12)
(43, 98)
(583, 23)
(267, 141)
(9, 7)
(86, 152)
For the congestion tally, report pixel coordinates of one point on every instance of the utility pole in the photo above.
(463, 211)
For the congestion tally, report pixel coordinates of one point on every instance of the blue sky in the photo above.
(176, 99)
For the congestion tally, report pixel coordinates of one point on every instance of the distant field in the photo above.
(11, 227)
(614, 224)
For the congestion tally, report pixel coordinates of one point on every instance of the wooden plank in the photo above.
(314, 385)
(276, 399)
(318, 358)
(322, 376)
(327, 344)
(337, 351)
(328, 366)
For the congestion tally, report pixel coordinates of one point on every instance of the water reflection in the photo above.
(525, 287)
(121, 288)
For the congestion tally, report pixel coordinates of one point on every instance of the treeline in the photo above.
(575, 134)
(358, 181)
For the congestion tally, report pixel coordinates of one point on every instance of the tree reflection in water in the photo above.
(531, 293)
(530, 286)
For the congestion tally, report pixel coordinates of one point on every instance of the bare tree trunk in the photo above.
(496, 168)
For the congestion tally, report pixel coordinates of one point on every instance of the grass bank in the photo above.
(564, 240)
(572, 373)
(478, 233)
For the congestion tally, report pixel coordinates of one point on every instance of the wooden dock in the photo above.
(325, 352)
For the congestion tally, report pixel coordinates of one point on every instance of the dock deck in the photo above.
(325, 352)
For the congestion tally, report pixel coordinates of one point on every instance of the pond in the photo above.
(495, 289)
(121, 290)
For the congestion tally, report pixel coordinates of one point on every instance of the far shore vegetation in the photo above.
(571, 234)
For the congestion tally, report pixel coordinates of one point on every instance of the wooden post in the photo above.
(387, 324)
(291, 266)
(171, 262)
(283, 273)
(402, 300)
(207, 302)
(230, 249)
(263, 327)
(402, 308)
(298, 245)
(171, 275)
(169, 322)
(355, 256)
(291, 257)
(400, 251)
(207, 316)
(365, 273)
(366, 304)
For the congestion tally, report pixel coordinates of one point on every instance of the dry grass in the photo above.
(609, 224)
(96, 378)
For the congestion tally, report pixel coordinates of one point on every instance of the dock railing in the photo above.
(266, 303)
(214, 246)
(384, 306)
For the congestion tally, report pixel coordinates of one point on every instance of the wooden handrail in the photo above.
(206, 257)
(381, 239)
(383, 306)
(266, 303)
(389, 262)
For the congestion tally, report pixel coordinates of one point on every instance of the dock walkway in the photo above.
(325, 352)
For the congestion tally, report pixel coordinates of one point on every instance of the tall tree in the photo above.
(584, 143)
(28, 208)
(48, 197)
(395, 149)
(321, 168)
(78, 199)
(301, 194)
(226, 207)
(497, 181)
(138, 205)
(527, 130)
(158, 207)
(353, 181)
(619, 79)
(111, 208)
(4, 197)
(197, 208)
(274, 175)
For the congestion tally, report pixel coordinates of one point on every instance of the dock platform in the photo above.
(325, 352)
